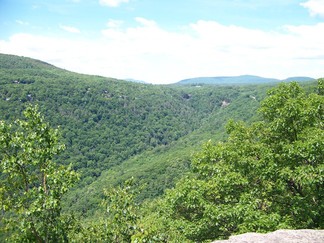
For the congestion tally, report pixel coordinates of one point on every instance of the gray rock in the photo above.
(280, 236)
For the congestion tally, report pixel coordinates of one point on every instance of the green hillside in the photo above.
(108, 124)
(162, 166)
(103, 121)
(155, 137)
(114, 129)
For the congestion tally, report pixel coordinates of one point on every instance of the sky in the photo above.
(165, 41)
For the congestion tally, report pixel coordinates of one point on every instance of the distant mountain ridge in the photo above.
(242, 79)
(299, 79)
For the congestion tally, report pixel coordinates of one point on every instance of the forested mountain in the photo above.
(297, 79)
(242, 79)
(105, 121)
(115, 130)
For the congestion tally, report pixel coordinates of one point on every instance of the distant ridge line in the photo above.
(242, 79)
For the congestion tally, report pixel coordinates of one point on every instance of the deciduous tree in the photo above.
(267, 175)
(32, 184)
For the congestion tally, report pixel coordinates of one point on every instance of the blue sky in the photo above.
(164, 41)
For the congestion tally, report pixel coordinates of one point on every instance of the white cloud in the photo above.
(70, 29)
(112, 3)
(205, 48)
(315, 7)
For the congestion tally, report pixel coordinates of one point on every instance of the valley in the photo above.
(116, 130)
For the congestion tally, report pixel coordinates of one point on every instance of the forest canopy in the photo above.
(265, 176)
(88, 158)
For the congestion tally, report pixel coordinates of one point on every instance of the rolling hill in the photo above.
(114, 129)
(243, 79)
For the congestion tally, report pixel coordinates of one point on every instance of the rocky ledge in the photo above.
(282, 236)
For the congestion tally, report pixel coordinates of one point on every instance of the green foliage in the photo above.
(156, 225)
(32, 185)
(118, 221)
(161, 167)
(266, 176)
(321, 86)
(129, 129)
(121, 212)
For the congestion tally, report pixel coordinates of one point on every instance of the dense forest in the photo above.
(105, 160)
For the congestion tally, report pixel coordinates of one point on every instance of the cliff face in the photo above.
(283, 236)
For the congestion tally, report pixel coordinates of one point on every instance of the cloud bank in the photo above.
(315, 7)
(112, 3)
(205, 48)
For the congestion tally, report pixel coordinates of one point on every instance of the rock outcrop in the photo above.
(282, 236)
